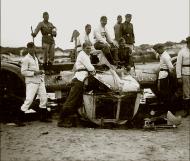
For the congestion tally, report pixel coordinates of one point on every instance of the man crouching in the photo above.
(74, 100)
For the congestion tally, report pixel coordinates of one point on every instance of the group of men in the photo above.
(117, 51)
(124, 36)
(114, 52)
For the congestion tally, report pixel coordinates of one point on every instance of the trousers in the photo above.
(31, 90)
(74, 100)
(110, 53)
(48, 52)
(186, 86)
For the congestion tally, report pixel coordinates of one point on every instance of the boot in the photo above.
(64, 122)
(184, 112)
(44, 115)
(187, 107)
(19, 119)
(45, 66)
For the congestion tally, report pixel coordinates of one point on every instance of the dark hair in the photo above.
(85, 44)
(103, 18)
(158, 46)
(188, 39)
(30, 45)
(45, 13)
(128, 15)
(88, 25)
(119, 16)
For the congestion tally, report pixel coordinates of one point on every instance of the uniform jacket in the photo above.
(183, 62)
(117, 31)
(46, 30)
(127, 32)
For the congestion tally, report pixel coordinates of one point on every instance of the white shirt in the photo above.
(101, 35)
(183, 58)
(28, 67)
(83, 62)
(86, 38)
(165, 63)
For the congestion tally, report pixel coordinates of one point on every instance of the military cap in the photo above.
(158, 46)
(103, 18)
(30, 45)
(128, 15)
(188, 39)
(45, 13)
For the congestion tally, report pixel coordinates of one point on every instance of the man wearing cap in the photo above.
(117, 28)
(104, 42)
(127, 31)
(164, 77)
(34, 80)
(48, 31)
(74, 100)
(183, 74)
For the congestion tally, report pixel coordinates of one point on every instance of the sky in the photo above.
(154, 21)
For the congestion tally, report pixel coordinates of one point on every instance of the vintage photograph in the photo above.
(95, 80)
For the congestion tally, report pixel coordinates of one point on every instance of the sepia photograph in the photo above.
(95, 80)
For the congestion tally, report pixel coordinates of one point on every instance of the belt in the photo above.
(79, 70)
(161, 69)
(47, 35)
(78, 46)
(188, 65)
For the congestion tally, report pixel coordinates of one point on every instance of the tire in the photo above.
(12, 89)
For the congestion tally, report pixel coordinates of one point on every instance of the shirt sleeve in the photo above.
(25, 70)
(98, 36)
(52, 26)
(108, 37)
(86, 62)
(169, 63)
(38, 28)
(179, 65)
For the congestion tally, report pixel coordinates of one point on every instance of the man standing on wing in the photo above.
(117, 28)
(127, 31)
(48, 31)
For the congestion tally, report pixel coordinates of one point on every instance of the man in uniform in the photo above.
(35, 84)
(127, 31)
(104, 42)
(74, 100)
(164, 77)
(124, 54)
(48, 31)
(183, 74)
(117, 28)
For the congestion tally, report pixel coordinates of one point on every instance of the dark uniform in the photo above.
(48, 43)
(124, 54)
(127, 32)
